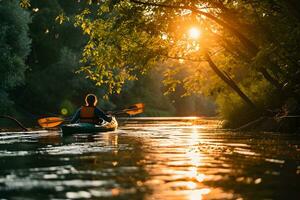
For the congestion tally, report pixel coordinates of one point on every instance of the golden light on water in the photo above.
(197, 194)
(194, 33)
(181, 171)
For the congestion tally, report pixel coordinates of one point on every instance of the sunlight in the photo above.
(181, 61)
(164, 36)
(198, 194)
(194, 33)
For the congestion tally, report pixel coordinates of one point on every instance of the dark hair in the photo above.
(91, 100)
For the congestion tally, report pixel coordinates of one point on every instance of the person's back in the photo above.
(89, 113)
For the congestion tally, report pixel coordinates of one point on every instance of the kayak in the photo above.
(68, 129)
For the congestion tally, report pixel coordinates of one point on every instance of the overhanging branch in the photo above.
(245, 41)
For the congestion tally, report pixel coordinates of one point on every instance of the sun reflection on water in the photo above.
(197, 194)
(177, 175)
(195, 157)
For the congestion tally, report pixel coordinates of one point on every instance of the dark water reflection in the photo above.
(151, 159)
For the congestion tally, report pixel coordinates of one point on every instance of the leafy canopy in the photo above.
(14, 48)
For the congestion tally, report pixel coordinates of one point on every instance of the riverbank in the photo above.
(284, 124)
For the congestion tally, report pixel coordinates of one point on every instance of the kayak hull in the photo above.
(69, 129)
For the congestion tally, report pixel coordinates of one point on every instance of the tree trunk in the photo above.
(229, 82)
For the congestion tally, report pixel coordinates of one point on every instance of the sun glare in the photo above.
(194, 33)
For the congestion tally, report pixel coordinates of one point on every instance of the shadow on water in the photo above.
(256, 165)
(80, 166)
(151, 158)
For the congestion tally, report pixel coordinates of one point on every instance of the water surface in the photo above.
(151, 158)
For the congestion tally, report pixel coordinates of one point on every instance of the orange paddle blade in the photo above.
(50, 122)
(140, 105)
(132, 110)
(135, 109)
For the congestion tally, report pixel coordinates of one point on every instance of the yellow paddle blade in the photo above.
(50, 122)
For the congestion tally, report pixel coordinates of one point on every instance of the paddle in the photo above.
(132, 110)
(50, 122)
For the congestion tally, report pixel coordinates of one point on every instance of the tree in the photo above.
(250, 50)
(53, 61)
(97, 55)
(14, 48)
(250, 47)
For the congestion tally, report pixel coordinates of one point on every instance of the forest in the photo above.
(235, 59)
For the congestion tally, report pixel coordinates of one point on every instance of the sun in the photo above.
(194, 33)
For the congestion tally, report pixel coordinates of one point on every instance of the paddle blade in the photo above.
(137, 106)
(135, 109)
(131, 110)
(50, 122)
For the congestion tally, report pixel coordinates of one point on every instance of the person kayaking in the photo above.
(89, 113)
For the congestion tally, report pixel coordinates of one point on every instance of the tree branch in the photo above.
(248, 44)
(15, 120)
(245, 41)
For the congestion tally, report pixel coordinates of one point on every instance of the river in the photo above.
(151, 158)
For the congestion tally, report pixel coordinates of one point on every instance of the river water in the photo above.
(151, 158)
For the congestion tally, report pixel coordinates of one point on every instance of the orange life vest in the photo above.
(87, 115)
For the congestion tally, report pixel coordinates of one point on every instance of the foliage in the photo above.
(147, 89)
(247, 54)
(51, 83)
(14, 48)
(110, 56)
(253, 45)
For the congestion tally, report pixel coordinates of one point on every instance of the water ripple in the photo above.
(151, 158)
